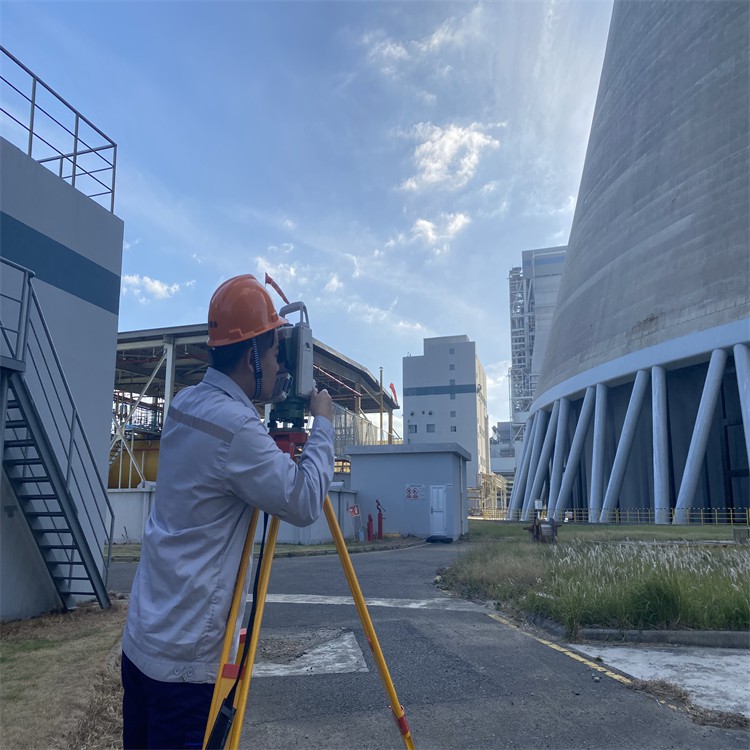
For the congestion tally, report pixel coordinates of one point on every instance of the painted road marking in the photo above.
(563, 650)
(445, 604)
(340, 654)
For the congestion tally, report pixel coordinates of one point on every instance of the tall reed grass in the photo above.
(621, 584)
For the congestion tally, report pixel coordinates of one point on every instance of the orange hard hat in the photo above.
(240, 309)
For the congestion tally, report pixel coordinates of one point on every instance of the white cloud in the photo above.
(334, 284)
(432, 233)
(424, 229)
(289, 224)
(447, 157)
(455, 32)
(289, 276)
(144, 288)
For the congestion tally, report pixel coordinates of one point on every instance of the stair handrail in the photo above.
(29, 302)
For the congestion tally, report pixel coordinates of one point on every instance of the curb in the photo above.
(702, 638)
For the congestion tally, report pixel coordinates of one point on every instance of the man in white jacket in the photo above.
(216, 463)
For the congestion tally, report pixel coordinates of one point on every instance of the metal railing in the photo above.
(352, 429)
(26, 339)
(645, 516)
(89, 163)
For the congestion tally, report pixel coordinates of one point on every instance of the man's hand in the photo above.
(321, 404)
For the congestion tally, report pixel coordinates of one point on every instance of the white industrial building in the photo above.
(642, 408)
(445, 401)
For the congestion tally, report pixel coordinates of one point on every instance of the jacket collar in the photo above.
(225, 383)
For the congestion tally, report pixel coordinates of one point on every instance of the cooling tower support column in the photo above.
(597, 459)
(540, 425)
(519, 482)
(542, 464)
(742, 366)
(557, 461)
(624, 445)
(698, 443)
(582, 429)
(661, 444)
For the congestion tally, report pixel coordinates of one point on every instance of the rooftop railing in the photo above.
(52, 132)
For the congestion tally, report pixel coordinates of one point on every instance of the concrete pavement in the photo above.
(714, 678)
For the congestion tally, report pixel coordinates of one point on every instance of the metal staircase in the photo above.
(45, 454)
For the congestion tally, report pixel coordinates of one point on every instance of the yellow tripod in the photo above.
(230, 671)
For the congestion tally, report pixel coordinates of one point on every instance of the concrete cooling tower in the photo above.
(642, 410)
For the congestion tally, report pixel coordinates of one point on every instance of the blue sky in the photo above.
(387, 163)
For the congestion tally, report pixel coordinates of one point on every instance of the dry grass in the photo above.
(666, 693)
(60, 683)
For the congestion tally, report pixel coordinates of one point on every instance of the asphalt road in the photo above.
(464, 679)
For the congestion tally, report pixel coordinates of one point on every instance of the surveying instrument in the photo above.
(291, 396)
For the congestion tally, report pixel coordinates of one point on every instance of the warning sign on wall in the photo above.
(354, 511)
(415, 492)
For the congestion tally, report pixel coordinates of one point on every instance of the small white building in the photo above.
(421, 488)
(445, 400)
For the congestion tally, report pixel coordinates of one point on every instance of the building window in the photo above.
(451, 367)
(430, 428)
(411, 413)
(453, 428)
(451, 350)
(412, 429)
(453, 413)
(453, 396)
(452, 382)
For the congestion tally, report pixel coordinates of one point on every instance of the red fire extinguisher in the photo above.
(380, 519)
(369, 527)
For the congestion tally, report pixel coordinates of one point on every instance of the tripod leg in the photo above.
(226, 675)
(364, 616)
(247, 671)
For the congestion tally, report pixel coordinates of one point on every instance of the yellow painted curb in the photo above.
(566, 651)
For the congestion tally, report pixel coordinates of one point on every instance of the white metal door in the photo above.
(437, 510)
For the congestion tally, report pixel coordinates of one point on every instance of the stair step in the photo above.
(29, 480)
(36, 461)
(71, 578)
(41, 496)
(59, 546)
(21, 443)
(15, 424)
(44, 513)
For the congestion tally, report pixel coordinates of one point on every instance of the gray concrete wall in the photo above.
(74, 246)
(659, 243)
(26, 589)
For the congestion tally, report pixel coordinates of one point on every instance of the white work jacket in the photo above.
(216, 460)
